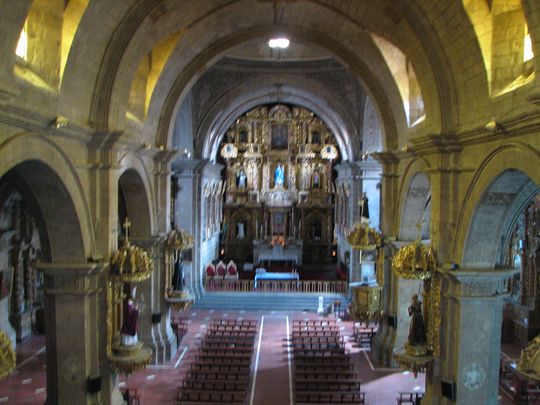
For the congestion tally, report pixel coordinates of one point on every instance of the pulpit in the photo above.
(366, 302)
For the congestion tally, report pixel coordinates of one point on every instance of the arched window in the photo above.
(43, 52)
(505, 42)
(404, 75)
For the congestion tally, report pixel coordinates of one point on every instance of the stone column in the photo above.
(470, 337)
(370, 182)
(75, 334)
(154, 322)
(187, 216)
(348, 175)
(389, 191)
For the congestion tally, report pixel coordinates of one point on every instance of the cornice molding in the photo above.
(38, 123)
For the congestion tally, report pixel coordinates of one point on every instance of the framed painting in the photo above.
(280, 136)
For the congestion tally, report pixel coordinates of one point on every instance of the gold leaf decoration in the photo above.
(362, 237)
(529, 361)
(8, 358)
(414, 261)
(432, 294)
(179, 240)
(131, 264)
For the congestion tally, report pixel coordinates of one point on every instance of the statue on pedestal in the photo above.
(242, 179)
(280, 175)
(364, 207)
(416, 343)
(129, 321)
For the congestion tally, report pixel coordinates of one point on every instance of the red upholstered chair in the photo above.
(221, 270)
(232, 271)
(210, 271)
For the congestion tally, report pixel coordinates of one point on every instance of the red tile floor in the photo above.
(271, 365)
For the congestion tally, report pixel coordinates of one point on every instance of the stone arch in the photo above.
(294, 91)
(416, 208)
(434, 79)
(57, 190)
(386, 97)
(134, 191)
(37, 170)
(503, 185)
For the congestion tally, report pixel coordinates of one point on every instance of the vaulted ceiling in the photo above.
(342, 52)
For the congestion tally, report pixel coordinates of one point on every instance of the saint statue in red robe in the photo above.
(129, 324)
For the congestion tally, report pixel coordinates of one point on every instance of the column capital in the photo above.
(474, 283)
(72, 278)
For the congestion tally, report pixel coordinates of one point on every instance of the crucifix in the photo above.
(126, 226)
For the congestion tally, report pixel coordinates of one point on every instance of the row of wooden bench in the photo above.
(314, 322)
(413, 398)
(221, 397)
(317, 339)
(323, 370)
(220, 372)
(330, 398)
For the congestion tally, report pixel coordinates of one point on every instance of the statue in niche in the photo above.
(243, 136)
(129, 321)
(417, 330)
(316, 230)
(316, 180)
(178, 275)
(279, 178)
(240, 230)
(316, 137)
(242, 179)
(364, 207)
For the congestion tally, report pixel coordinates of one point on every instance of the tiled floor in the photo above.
(157, 384)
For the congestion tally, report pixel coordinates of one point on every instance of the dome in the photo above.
(414, 261)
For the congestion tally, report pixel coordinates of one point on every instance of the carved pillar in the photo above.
(470, 337)
(154, 322)
(162, 188)
(187, 216)
(75, 334)
(444, 187)
(348, 180)
(389, 192)
(370, 175)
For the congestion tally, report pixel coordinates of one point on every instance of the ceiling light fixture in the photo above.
(281, 43)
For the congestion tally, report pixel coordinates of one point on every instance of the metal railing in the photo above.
(293, 286)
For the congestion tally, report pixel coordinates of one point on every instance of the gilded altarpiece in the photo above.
(279, 183)
(20, 282)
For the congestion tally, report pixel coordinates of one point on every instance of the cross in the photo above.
(419, 228)
(126, 225)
